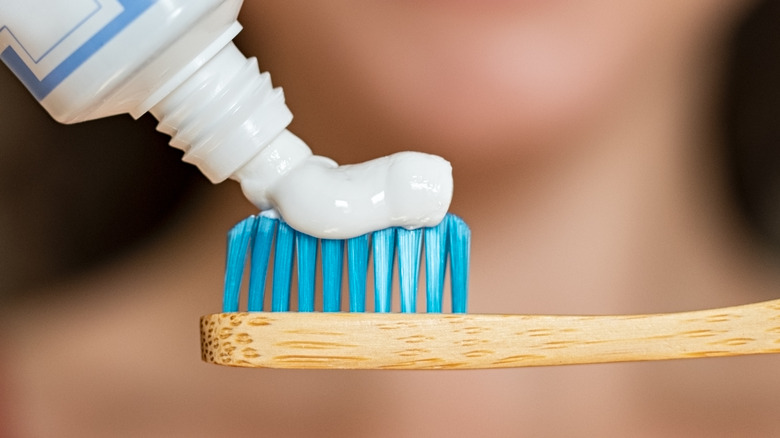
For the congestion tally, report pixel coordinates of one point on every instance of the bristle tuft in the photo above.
(383, 250)
(261, 253)
(460, 246)
(238, 242)
(306, 247)
(283, 259)
(332, 266)
(435, 265)
(357, 261)
(409, 247)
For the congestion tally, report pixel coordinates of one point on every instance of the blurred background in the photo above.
(75, 195)
(111, 248)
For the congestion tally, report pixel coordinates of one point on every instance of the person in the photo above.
(588, 161)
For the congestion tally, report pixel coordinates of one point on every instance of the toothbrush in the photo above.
(390, 340)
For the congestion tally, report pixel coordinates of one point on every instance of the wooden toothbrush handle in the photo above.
(437, 341)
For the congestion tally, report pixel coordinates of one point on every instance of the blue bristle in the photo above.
(306, 247)
(460, 245)
(283, 260)
(383, 250)
(357, 262)
(237, 243)
(435, 265)
(261, 252)
(450, 239)
(409, 246)
(332, 267)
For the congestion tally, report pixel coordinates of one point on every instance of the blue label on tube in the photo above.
(75, 34)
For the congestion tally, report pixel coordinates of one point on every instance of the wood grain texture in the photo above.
(461, 341)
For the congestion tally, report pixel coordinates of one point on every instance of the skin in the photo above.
(584, 161)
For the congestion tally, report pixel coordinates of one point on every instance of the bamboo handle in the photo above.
(435, 341)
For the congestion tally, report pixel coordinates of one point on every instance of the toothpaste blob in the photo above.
(318, 197)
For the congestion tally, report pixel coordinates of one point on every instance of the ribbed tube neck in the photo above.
(224, 114)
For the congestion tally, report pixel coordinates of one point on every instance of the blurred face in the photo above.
(461, 76)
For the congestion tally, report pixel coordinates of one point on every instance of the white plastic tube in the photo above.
(87, 59)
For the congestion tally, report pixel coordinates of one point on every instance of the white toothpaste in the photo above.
(87, 59)
(315, 195)
(406, 189)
